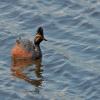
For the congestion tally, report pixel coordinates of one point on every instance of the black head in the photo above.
(39, 37)
(40, 31)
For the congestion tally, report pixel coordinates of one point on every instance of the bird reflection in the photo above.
(18, 65)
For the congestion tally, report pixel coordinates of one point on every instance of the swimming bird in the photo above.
(25, 49)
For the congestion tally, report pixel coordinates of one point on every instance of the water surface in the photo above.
(70, 68)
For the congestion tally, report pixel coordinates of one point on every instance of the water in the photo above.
(70, 69)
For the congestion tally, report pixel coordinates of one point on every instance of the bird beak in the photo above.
(45, 39)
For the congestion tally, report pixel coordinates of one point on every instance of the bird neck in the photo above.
(38, 52)
(37, 47)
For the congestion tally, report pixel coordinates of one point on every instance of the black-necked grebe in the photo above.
(25, 48)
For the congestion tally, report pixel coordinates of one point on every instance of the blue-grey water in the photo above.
(70, 68)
